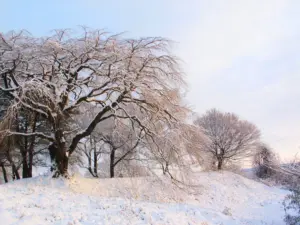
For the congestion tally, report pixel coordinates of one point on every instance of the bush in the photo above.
(292, 201)
(264, 162)
(292, 207)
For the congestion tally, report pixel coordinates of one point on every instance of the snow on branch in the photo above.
(38, 134)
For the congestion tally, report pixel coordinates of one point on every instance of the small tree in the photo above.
(264, 161)
(89, 149)
(122, 142)
(230, 137)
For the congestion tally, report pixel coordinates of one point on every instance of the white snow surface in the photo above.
(221, 198)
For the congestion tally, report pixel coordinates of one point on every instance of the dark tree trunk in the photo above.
(90, 164)
(25, 172)
(31, 147)
(52, 152)
(30, 159)
(59, 160)
(167, 167)
(95, 162)
(220, 163)
(220, 157)
(163, 169)
(93, 171)
(15, 172)
(24, 151)
(112, 161)
(62, 166)
(4, 173)
(23, 146)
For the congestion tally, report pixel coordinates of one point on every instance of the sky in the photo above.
(240, 56)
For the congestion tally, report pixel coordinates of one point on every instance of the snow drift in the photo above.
(215, 198)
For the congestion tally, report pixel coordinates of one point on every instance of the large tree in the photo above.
(53, 77)
(230, 138)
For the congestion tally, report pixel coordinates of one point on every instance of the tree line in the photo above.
(88, 97)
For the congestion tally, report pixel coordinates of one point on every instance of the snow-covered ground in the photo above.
(219, 198)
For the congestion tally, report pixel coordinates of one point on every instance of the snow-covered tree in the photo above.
(230, 138)
(265, 161)
(54, 76)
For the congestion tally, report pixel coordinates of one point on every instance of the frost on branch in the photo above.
(56, 77)
(230, 138)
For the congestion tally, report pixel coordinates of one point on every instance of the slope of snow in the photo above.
(215, 198)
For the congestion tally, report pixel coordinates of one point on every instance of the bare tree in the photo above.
(264, 161)
(115, 138)
(230, 137)
(292, 167)
(3, 160)
(122, 143)
(8, 156)
(91, 149)
(54, 76)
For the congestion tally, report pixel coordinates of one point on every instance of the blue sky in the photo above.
(239, 55)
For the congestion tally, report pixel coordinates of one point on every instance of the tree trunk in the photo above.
(24, 163)
(25, 172)
(52, 152)
(95, 162)
(94, 172)
(62, 166)
(220, 163)
(30, 164)
(24, 151)
(23, 146)
(163, 169)
(4, 173)
(59, 159)
(112, 161)
(90, 164)
(31, 147)
(15, 172)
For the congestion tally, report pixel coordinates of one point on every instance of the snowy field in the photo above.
(219, 198)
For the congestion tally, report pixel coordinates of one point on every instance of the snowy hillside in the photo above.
(220, 198)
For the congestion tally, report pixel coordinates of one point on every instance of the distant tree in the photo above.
(264, 161)
(122, 143)
(116, 139)
(90, 150)
(230, 138)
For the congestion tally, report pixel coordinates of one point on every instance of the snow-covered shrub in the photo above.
(292, 201)
(292, 207)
